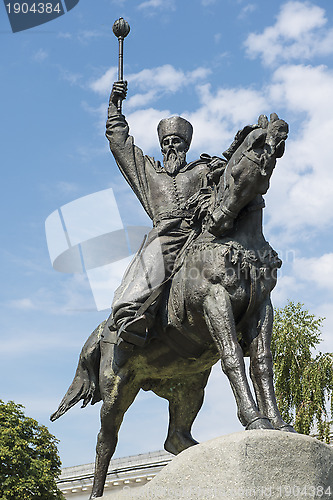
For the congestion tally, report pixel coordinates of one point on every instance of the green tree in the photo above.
(29, 461)
(303, 379)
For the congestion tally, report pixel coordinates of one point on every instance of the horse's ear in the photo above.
(273, 117)
(263, 121)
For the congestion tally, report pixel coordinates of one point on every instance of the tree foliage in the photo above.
(29, 461)
(303, 380)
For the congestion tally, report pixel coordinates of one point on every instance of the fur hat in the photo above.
(176, 125)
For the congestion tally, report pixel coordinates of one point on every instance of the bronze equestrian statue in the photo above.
(212, 299)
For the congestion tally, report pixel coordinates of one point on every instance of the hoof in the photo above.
(259, 423)
(179, 442)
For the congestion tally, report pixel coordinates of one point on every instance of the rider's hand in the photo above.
(218, 223)
(217, 162)
(119, 92)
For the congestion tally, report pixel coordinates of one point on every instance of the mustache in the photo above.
(172, 152)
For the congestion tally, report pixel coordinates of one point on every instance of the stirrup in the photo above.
(137, 337)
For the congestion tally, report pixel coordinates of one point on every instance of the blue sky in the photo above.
(219, 63)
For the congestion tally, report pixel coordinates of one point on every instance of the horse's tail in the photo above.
(86, 381)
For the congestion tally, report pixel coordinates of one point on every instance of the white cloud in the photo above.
(156, 82)
(40, 55)
(73, 295)
(221, 114)
(141, 100)
(298, 18)
(304, 177)
(297, 34)
(247, 9)
(24, 304)
(325, 310)
(303, 88)
(317, 270)
(65, 35)
(216, 120)
(156, 4)
(70, 76)
(143, 127)
(287, 288)
(151, 83)
(164, 77)
(146, 87)
(85, 36)
(235, 105)
(103, 84)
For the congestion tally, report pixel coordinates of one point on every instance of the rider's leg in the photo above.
(220, 321)
(148, 271)
(261, 367)
(144, 275)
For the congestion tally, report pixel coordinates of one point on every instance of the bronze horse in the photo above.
(217, 306)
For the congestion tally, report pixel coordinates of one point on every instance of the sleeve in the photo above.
(129, 158)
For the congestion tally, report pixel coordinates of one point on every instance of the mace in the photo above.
(121, 29)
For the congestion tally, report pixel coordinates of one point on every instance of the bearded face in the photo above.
(174, 150)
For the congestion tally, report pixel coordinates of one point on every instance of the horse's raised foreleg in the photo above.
(261, 368)
(220, 322)
(118, 392)
(185, 395)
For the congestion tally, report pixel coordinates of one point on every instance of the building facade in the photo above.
(124, 473)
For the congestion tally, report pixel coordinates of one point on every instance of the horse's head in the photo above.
(251, 160)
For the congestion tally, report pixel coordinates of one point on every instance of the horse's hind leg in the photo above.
(220, 322)
(118, 392)
(185, 396)
(261, 367)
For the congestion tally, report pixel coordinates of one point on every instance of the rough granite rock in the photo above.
(254, 464)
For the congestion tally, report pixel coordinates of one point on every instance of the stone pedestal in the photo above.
(245, 465)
